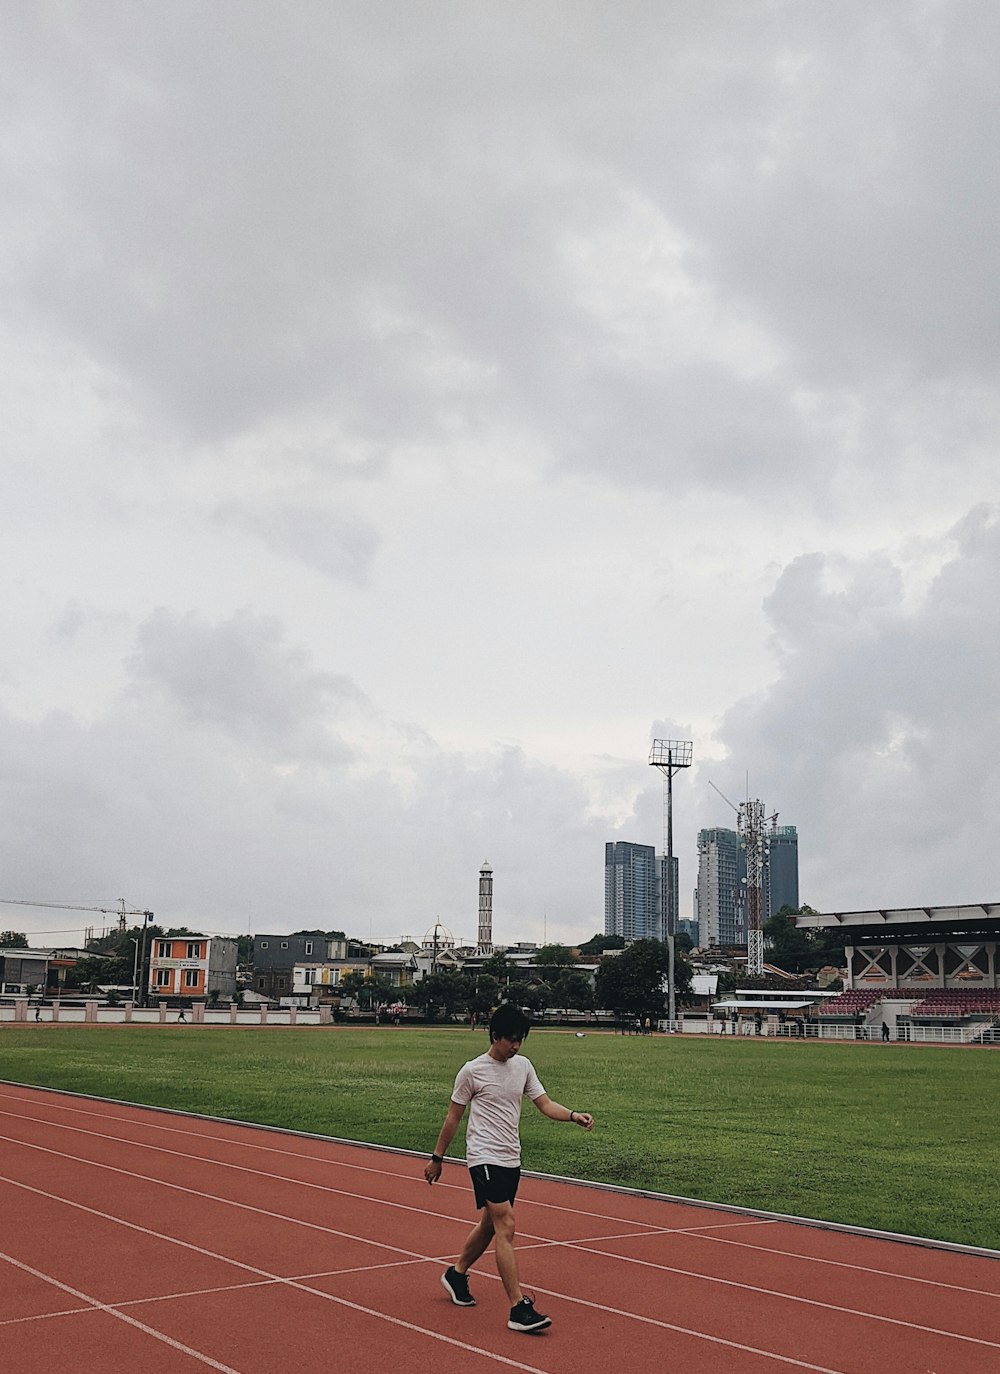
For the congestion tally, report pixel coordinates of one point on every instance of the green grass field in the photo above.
(903, 1138)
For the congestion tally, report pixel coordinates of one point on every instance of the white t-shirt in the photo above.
(492, 1091)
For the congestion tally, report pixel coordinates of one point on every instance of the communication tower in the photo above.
(751, 825)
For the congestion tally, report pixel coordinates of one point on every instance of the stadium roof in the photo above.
(980, 920)
(764, 1006)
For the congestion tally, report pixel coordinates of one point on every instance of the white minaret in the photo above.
(485, 945)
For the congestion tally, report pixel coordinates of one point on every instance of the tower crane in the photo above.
(121, 910)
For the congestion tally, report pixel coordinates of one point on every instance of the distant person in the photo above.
(492, 1086)
(38, 1011)
(885, 1031)
(182, 1015)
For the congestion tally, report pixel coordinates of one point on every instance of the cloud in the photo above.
(329, 541)
(404, 227)
(240, 677)
(880, 736)
(220, 789)
(546, 370)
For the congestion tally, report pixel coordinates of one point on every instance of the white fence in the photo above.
(94, 1013)
(977, 1034)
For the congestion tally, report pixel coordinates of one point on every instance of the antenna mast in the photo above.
(751, 825)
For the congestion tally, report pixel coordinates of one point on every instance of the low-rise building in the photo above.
(315, 981)
(21, 969)
(194, 966)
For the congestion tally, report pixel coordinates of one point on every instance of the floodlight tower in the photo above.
(751, 828)
(669, 756)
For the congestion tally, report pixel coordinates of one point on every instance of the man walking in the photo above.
(492, 1087)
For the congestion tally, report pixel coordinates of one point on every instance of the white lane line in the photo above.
(97, 1306)
(524, 1235)
(397, 1321)
(44, 1316)
(225, 1288)
(296, 1155)
(138, 1122)
(250, 1269)
(237, 1168)
(588, 1249)
(568, 1245)
(187, 1157)
(846, 1264)
(583, 1247)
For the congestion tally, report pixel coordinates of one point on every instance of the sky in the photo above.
(410, 412)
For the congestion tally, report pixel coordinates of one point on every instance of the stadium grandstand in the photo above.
(927, 973)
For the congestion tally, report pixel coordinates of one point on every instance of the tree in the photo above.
(536, 996)
(13, 939)
(498, 966)
(633, 981)
(93, 970)
(796, 950)
(683, 944)
(572, 989)
(444, 993)
(598, 944)
(485, 994)
(367, 991)
(554, 956)
(787, 946)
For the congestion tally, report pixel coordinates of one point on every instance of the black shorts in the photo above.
(494, 1183)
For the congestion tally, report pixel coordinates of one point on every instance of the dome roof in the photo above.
(445, 939)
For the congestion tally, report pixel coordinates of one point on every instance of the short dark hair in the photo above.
(508, 1022)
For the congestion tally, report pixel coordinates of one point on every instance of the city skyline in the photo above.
(411, 413)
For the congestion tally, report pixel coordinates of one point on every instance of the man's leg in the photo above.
(501, 1220)
(477, 1243)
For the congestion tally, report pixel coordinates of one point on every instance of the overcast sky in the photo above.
(412, 410)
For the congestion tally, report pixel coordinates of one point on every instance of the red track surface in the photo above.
(133, 1239)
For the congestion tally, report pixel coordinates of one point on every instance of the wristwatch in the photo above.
(437, 1159)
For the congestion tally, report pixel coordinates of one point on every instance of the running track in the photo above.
(142, 1240)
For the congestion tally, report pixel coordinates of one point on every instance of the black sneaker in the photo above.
(457, 1285)
(523, 1317)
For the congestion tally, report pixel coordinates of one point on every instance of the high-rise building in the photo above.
(720, 908)
(781, 876)
(689, 928)
(630, 891)
(720, 897)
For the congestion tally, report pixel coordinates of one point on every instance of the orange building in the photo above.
(192, 966)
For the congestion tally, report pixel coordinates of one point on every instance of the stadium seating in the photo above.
(958, 1002)
(853, 1002)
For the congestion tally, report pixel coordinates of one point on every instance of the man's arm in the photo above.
(555, 1111)
(432, 1169)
